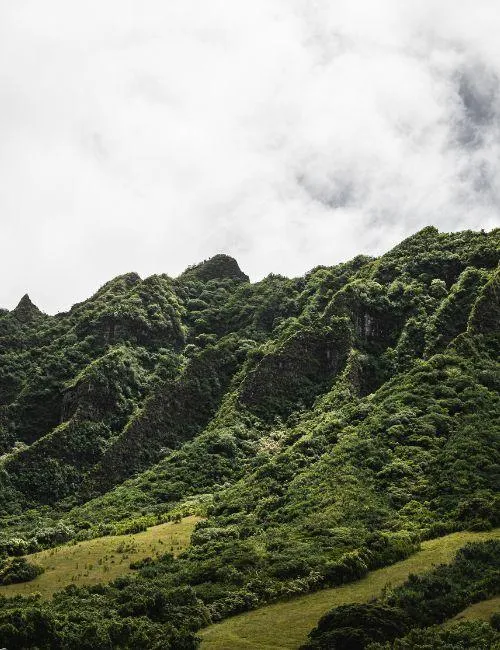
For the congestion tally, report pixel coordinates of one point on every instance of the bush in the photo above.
(470, 635)
(351, 566)
(16, 546)
(420, 602)
(19, 570)
(352, 627)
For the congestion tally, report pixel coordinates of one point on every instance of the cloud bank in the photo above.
(148, 135)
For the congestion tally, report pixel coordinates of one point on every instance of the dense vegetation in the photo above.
(18, 570)
(473, 635)
(323, 425)
(419, 603)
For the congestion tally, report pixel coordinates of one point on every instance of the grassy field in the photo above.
(285, 625)
(102, 559)
(480, 611)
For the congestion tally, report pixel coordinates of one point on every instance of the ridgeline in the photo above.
(322, 427)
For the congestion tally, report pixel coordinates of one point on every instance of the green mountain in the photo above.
(322, 426)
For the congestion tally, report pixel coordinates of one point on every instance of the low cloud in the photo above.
(149, 135)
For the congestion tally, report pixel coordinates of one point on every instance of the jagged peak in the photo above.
(217, 267)
(25, 310)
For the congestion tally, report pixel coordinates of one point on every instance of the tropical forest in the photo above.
(203, 461)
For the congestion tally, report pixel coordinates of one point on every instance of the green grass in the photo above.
(102, 559)
(482, 611)
(285, 625)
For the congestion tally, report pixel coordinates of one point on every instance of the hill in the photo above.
(287, 624)
(102, 559)
(322, 427)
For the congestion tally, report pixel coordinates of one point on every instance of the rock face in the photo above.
(216, 268)
(26, 311)
(485, 315)
(143, 368)
(298, 370)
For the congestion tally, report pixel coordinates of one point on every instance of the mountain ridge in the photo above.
(321, 425)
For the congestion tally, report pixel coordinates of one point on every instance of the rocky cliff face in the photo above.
(322, 426)
(144, 367)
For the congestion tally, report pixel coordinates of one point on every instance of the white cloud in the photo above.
(149, 135)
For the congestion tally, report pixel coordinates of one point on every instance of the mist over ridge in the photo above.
(287, 134)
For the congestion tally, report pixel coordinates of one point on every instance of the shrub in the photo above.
(352, 627)
(19, 570)
(469, 635)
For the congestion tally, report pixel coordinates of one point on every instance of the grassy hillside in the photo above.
(103, 559)
(286, 625)
(411, 615)
(482, 611)
(321, 426)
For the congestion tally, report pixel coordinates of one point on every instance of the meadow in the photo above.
(102, 559)
(482, 611)
(285, 625)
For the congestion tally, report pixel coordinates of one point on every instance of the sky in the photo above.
(144, 135)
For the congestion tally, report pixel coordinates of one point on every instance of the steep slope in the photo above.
(325, 425)
(367, 319)
(287, 624)
(421, 602)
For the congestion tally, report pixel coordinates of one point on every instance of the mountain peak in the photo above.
(26, 310)
(217, 267)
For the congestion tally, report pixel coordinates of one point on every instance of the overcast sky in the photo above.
(147, 135)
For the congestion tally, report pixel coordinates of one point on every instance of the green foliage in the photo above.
(217, 267)
(471, 635)
(452, 314)
(113, 617)
(174, 412)
(18, 570)
(486, 312)
(128, 309)
(323, 424)
(420, 602)
(296, 370)
(26, 311)
(353, 627)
